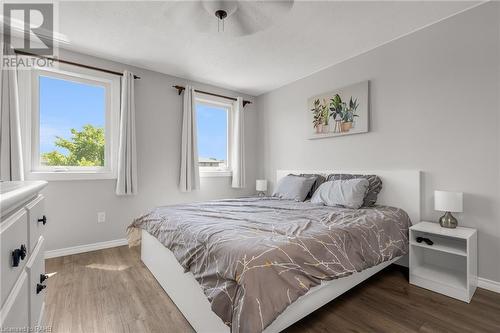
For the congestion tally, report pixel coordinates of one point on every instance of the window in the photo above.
(212, 121)
(73, 123)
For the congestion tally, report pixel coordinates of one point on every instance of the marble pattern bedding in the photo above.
(255, 256)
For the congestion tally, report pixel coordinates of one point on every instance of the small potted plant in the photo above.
(318, 116)
(326, 117)
(336, 112)
(353, 105)
(348, 115)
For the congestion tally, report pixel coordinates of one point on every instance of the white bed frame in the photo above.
(401, 188)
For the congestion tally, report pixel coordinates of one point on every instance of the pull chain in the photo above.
(218, 25)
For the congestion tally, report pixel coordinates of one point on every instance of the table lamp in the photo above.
(448, 202)
(261, 187)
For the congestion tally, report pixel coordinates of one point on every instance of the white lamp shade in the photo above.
(448, 201)
(261, 185)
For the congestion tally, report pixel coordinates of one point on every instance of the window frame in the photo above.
(219, 103)
(29, 86)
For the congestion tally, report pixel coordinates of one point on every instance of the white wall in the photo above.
(72, 206)
(434, 107)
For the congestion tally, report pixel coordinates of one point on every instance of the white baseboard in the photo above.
(85, 248)
(488, 284)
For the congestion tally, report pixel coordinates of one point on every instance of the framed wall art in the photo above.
(339, 112)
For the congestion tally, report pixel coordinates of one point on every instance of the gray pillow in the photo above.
(345, 193)
(319, 180)
(374, 186)
(292, 187)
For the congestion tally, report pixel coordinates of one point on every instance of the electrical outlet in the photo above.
(101, 217)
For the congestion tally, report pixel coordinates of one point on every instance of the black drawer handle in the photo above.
(43, 277)
(426, 240)
(43, 220)
(40, 287)
(18, 255)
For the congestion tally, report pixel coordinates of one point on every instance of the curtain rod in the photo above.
(180, 89)
(73, 63)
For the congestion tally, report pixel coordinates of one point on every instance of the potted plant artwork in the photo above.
(340, 112)
(318, 116)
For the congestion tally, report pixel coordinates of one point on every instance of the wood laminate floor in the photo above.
(112, 291)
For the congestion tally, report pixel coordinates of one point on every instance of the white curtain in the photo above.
(126, 183)
(238, 145)
(11, 156)
(190, 173)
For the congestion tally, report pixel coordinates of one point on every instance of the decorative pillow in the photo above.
(292, 187)
(345, 193)
(374, 187)
(319, 180)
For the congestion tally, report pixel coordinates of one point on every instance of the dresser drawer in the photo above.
(13, 237)
(37, 282)
(36, 220)
(13, 314)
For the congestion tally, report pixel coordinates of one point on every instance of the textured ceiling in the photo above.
(161, 36)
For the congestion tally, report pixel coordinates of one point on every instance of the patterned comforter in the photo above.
(255, 256)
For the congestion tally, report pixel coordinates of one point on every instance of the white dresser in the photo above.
(22, 276)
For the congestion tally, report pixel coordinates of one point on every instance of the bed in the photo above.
(229, 253)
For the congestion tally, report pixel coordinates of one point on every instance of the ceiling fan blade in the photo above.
(236, 27)
(188, 15)
(255, 16)
(272, 6)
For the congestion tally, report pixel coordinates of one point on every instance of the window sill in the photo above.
(75, 175)
(215, 173)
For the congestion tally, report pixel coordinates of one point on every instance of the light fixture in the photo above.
(448, 202)
(222, 9)
(233, 17)
(261, 187)
(221, 14)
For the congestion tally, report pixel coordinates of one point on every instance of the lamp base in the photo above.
(448, 221)
(261, 193)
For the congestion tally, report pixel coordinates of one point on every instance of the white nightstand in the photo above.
(449, 266)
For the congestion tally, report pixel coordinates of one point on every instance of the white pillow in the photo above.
(348, 193)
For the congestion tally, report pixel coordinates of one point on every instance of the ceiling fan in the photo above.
(234, 18)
